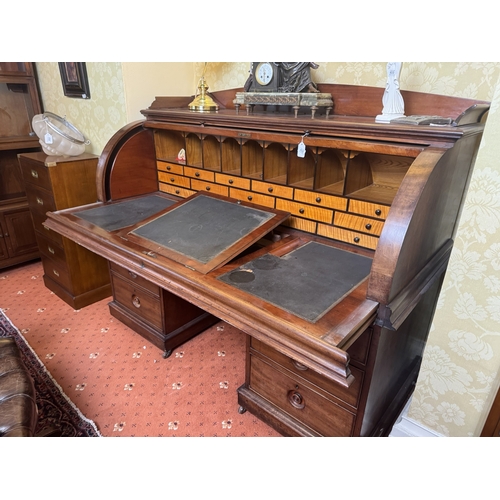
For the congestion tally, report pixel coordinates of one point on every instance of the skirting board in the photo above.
(406, 427)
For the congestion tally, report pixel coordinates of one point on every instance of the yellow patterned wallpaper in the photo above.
(97, 118)
(460, 370)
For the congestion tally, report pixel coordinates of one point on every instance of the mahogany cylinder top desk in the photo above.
(330, 260)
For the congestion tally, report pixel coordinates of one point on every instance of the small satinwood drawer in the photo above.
(304, 210)
(299, 400)
(176, 190)
(232, 181)
(337, 233)
(369, 209)
(176, 180)
(36, 173)
(134, 278)
(272, 189)
(349, 395)
(321, 200)
(137, 300)
(208, 186)
(202, 175)
(57, 271)
(259, 199)
(169, 167)
(363, 224)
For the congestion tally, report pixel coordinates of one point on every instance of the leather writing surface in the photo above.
(204, 227)
(306, 282)
(125, 213)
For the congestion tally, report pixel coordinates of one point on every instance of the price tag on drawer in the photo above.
(301, 149)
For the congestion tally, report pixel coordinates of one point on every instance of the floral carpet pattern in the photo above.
(121, 381)
(57, 415)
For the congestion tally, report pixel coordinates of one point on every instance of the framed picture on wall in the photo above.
(74, 79)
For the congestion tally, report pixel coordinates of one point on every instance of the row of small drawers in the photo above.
(320, 213)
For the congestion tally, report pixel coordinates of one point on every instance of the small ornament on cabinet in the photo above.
(392, 100)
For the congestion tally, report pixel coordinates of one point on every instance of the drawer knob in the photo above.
(356, 239)
(208, 188)
(34, 174)
(249, 198)
(368, 226)
(296, 400)
(231, 181)
(136, 301)
(169, 168)
(270, 189)
(132, 275)
(172, 179)
(51, 250)
(318, 199)
(299, 366)
(197, 174)
(378, 211)
(177, 191)
(55, 272)
(301, 211)
(39, 200)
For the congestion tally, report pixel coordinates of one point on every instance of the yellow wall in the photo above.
(460, 369)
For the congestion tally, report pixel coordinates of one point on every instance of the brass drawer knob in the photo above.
(296, 400)
(136, 301)
(55, 272)
(39, 200)
(51, 250)
(34, 174)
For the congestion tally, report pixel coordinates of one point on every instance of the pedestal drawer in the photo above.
(349, 395)
(57, 271)
(138, 301)
(134, 278)
(299, 400)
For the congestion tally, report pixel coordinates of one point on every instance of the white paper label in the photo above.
(48, 138)
(301, 150)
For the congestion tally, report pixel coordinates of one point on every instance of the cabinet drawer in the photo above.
(40, 200)
(57, 271)
(307, 211)
(348, 395)
(51, 249)
(176, 180)
(296, 398)
(340, 234)
(36, 173)
(363, 224)
(169, 167)
(138, 301)
(138, 281)
(321, 200)
(370, 209)
(274, 189)
(204, 175)
(259, 199)
(233, 181)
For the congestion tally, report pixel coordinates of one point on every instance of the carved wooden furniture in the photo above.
(75, 274)
(19, 102)
(336, 301)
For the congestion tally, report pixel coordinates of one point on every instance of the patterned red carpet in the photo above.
(118, 379)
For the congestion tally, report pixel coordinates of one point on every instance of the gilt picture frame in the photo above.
(74, 79)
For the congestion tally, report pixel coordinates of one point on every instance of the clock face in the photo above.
(264, 73)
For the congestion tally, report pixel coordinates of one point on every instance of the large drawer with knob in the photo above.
(349, 395)
(300, 399)
(138, 300)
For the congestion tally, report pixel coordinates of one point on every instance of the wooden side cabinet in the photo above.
(73, 273)
(19, 102)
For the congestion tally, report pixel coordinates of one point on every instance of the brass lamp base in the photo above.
(202, 101)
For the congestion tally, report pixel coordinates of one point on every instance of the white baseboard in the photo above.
(406, 427)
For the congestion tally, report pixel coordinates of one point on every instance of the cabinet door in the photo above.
(20, 234)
